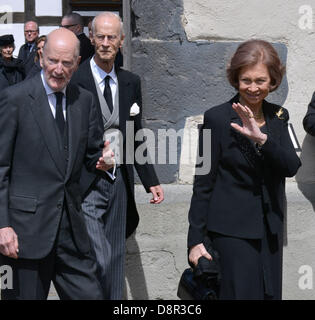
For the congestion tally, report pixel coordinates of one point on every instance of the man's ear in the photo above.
(122, 41)
(92, 40)
(78, 61)
(78, 30)
(41, 60)
(76, 67)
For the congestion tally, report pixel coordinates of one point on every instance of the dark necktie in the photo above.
(28, 49)
(60, 120)
(108, 94)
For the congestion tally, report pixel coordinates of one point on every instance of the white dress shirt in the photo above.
(52, 98)
(99, 74)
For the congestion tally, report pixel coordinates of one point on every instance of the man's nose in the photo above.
(59, 68)
(105, 41)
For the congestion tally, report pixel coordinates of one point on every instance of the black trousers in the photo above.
(73, 274)
(251, 269)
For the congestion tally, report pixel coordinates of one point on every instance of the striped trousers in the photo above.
(104, 209)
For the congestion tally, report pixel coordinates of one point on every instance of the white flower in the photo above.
(134, 110)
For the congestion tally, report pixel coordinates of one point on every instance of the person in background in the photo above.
(28, 50)
(239, 204)
(11, 69)
(40, 42)
(90, 29)
(74, 22)
(309, 119)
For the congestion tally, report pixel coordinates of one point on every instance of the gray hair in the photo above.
(37, 28)
(108, 14)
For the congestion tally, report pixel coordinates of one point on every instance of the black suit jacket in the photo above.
(242, 186)
(28, 60)
(36, 182)
(34, 70)
(309, 119)
(129, 93)
(10, 73)
(86, 48)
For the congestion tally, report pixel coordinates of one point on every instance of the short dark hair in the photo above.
(75, 17)
(251, 52)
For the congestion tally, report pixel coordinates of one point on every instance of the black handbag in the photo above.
(201, 282)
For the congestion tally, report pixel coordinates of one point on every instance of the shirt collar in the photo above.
(47, 87)
(30, 45)
(100, 74)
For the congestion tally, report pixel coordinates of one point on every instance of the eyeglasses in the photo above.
(30, 31)
(101, 37)
(67, 26)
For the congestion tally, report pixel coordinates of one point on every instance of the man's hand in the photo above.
(157, 193)
(107, 161)
(9, 245)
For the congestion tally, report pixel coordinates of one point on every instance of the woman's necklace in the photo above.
(259, 115)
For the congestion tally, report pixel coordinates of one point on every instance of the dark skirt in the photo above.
(251, 269)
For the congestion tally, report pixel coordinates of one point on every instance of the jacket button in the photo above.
(59, 206)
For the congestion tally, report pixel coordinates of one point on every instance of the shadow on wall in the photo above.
(306, 175)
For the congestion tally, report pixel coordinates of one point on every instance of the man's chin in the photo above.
(107, 58)
(57, 85)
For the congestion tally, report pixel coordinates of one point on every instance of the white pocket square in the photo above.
(134, 110)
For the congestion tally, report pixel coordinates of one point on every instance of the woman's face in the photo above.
(254, 84)
(40, 46)
(7, 51)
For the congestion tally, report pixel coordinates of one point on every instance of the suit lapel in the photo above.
(28, 55)
(85, 79)
(124, 107)
(74, 125)
(45, 120)
(244, 144)
(272, 121)
(89, 84)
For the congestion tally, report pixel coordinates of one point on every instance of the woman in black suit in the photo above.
(239, 204)
(11, 69)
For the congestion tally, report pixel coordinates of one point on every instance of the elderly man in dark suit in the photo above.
(28, 50)
(48, 131)
(109, 205)
(74, 22)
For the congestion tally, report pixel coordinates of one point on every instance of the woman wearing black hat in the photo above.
(11, 69)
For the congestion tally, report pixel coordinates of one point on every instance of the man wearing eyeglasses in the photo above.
(28, 50)
(74, 22)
